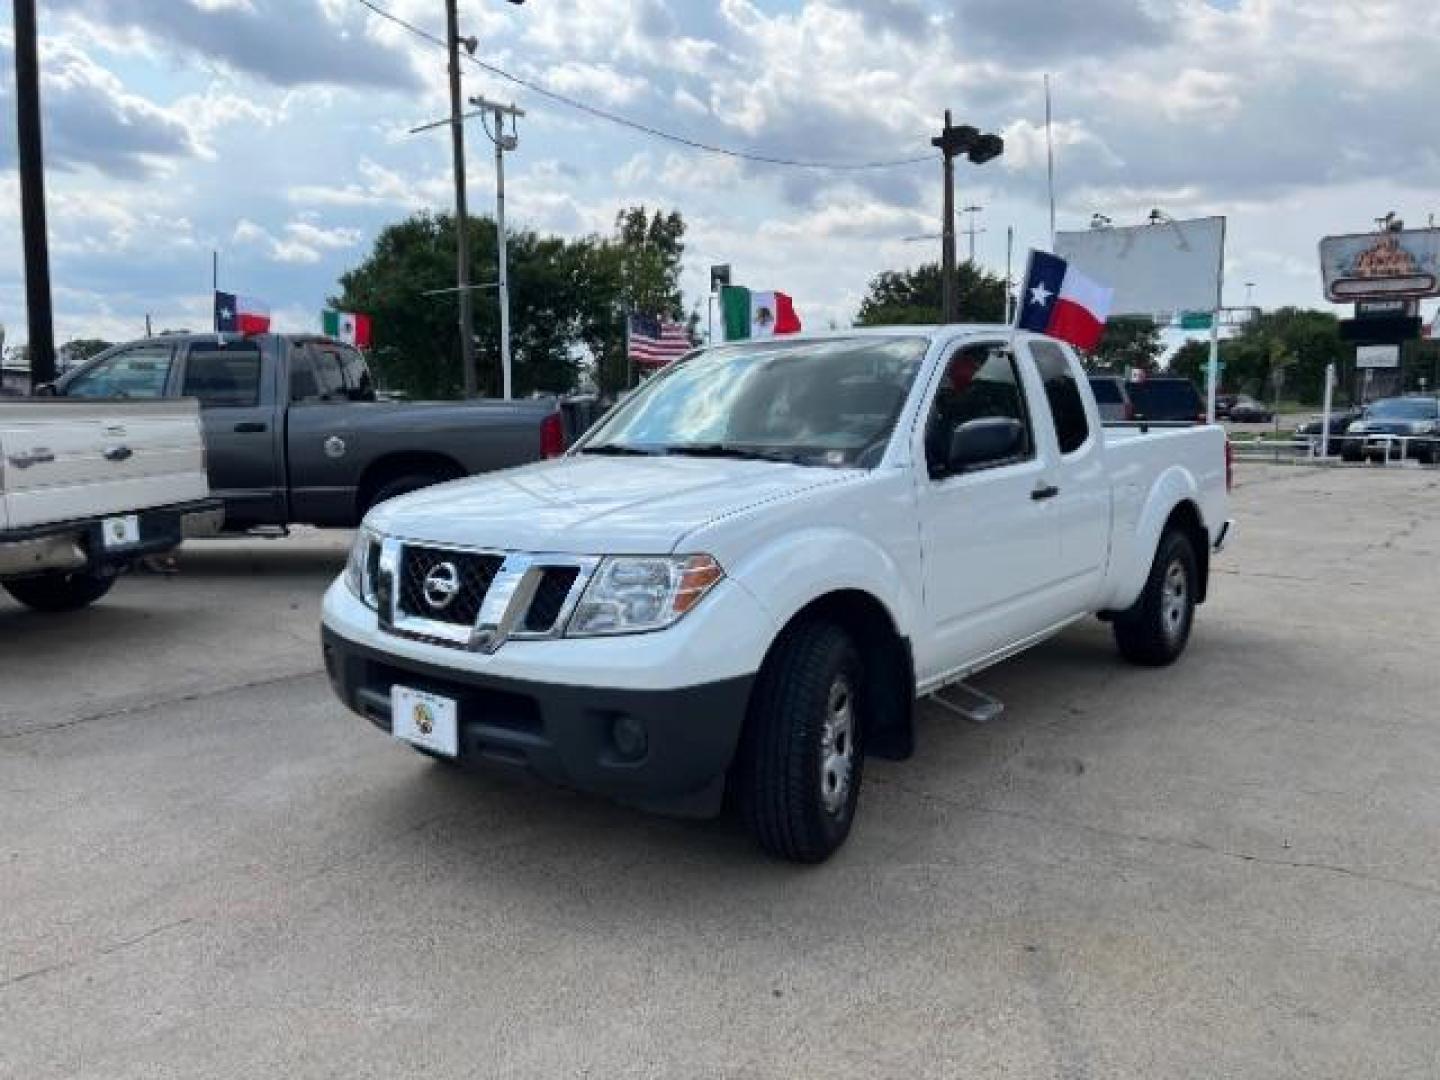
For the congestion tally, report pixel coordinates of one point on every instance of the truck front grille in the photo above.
(550, 596)
(445, 586)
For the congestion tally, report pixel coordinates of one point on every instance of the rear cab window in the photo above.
(1062, 392)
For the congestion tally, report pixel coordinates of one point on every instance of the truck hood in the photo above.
(595, 505)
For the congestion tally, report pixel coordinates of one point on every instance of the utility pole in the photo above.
(32, 197)
(502, 143)
(953, 141)
(462, 211)
(971, 229)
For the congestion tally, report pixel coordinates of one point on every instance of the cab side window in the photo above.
(1062, 391)
(980, 382)
(140, 371)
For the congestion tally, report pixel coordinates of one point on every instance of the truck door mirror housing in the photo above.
(45, 389)
(977, 443)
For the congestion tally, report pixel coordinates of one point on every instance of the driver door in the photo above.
(990, 534)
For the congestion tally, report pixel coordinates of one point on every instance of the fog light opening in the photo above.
(630, 737)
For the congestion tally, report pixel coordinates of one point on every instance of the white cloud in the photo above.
(301, 240)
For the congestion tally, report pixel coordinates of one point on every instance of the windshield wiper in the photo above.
(729, 450)
(619, 450)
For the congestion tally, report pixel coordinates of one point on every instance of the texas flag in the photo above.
(240, 314)
(1062, 302)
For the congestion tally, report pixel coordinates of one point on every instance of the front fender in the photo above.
(799, 567)
(1135, 553)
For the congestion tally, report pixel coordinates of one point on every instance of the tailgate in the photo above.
(65, 461)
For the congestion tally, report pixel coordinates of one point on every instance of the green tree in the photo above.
(1128, 342)
(567, 298)
(914, 297)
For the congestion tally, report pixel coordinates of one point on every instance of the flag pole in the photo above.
(1050, 161)
(214, 288)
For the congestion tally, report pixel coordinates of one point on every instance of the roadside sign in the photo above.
(1196, 320)
(1377, 356)
(1404, 308)
(1403, 264)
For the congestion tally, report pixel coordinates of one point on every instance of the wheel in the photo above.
(1155, 630)
(802, 754)
(1351, 455)
(403, 485)
(57, 592)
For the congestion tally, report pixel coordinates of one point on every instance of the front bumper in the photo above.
(80, 545)
(566, 734)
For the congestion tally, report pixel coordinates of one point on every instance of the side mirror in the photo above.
(985, 442)
(45, 389)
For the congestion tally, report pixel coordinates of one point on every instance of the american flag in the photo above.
(657, 341)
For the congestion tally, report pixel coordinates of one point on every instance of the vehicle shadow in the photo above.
(197, 560)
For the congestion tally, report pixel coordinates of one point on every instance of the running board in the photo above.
(975, 705)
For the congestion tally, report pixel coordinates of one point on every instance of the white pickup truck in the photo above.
(88, 487)
(748, 573)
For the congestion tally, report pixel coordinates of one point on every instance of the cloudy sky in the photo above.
(275, 132)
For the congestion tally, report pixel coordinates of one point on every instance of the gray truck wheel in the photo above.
(60, 592)
(403, 485)
(1155, 630)
(802, 753)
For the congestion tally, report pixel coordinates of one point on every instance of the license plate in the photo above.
(121, 532)
(425, 719)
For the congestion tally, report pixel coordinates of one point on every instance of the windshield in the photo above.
(1404, 409)
(829, 403)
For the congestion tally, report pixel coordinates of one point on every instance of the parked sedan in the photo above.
(1340, 421)
(1415, 419)
(1246, 410)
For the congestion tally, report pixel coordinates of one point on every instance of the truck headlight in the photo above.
(363, 565)
(630, 595)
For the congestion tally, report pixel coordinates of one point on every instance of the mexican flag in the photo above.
(348, 327)
(756, 314)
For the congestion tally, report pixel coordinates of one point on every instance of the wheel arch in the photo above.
(404, 463)
(889, 663)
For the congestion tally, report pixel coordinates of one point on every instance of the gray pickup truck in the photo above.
(294, 433)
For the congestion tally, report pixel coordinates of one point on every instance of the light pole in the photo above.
(953, 141)
(503, 142)
(32, 197)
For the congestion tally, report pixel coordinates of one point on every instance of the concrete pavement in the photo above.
(1228, 868)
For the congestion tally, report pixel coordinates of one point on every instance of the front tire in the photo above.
(802, 753)
(55, 593)
(1155, 630)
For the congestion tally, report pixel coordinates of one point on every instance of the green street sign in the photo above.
(1195, 320)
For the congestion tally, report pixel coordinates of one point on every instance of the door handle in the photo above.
(251, 427)
(1043, 490)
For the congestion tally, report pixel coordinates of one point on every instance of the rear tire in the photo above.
(1352, 456)
(55, 593)
(1155, 631)
(402, 485)
(802, 752)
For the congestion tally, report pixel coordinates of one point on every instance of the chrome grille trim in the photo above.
(507, 601)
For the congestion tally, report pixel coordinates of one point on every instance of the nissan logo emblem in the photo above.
(442, 585)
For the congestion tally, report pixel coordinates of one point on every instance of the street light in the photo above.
(979, 147)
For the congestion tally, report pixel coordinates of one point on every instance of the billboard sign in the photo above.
(1381, 266)
(1377, 356)
(1155, 270)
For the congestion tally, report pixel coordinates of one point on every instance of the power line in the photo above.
(636, 125)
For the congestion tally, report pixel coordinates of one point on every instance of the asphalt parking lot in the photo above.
(1229, 868)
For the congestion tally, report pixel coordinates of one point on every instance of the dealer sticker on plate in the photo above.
(121, 532)
(424, 719)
